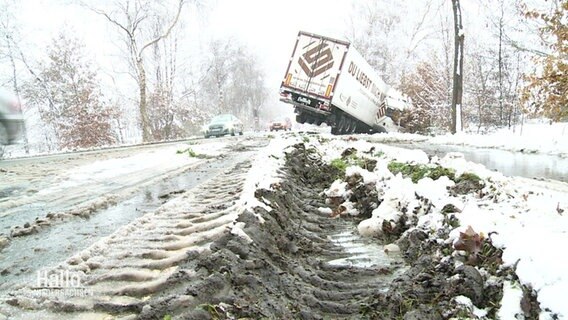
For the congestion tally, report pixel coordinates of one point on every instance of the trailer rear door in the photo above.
(315, 65)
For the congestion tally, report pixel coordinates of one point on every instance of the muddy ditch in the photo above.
(303, 263)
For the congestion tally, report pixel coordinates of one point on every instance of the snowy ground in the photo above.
(146, 259)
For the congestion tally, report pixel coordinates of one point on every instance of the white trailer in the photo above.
(327, 80)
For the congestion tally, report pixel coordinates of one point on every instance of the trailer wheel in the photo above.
(359, 128)
(353, 127)
(348, 125)
(301, 118)
(342, 125)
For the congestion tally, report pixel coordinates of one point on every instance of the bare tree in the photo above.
(493, 71)
(376, 22)
(372, 27)
(458, 68)
(218, 70)
(131, 17)
(233, 80)
(501, 25)
(167, 112)
(481, 90)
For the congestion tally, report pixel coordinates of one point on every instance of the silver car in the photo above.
(11, 121)
(223, 124)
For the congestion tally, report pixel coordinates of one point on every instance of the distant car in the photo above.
(281, 124)
(11, 121)
(223, 124)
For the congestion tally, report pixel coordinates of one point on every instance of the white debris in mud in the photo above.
(382, 171)
(466, 302)
(368, 177)
(399, 194)
(348, 207)
(391, 248)
(370, 227)
(3, 242)
(237, 230)
(435, 190)
(338, 189)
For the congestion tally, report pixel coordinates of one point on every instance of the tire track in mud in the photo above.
(118, 272)
(290, 270)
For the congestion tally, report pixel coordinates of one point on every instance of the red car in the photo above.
(281, 124)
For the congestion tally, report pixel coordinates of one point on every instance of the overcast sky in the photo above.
(270, 27)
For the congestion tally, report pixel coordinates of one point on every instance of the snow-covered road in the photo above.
(51, 207)
(32, 188)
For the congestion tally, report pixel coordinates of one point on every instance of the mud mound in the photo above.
(428, 290)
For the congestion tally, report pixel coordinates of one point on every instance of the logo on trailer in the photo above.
(317, 59)
(346, 99)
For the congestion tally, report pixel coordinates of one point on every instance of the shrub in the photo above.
(340, 165)
(418, 171)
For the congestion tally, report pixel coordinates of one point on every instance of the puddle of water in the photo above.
(363, 252)
(507, 162)
(27, 255)
(8, 191)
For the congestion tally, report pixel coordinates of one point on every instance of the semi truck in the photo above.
(328, 81)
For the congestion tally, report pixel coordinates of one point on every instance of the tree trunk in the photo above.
(481, 96)
(458, 68)
(500, 72)
(146, 134)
